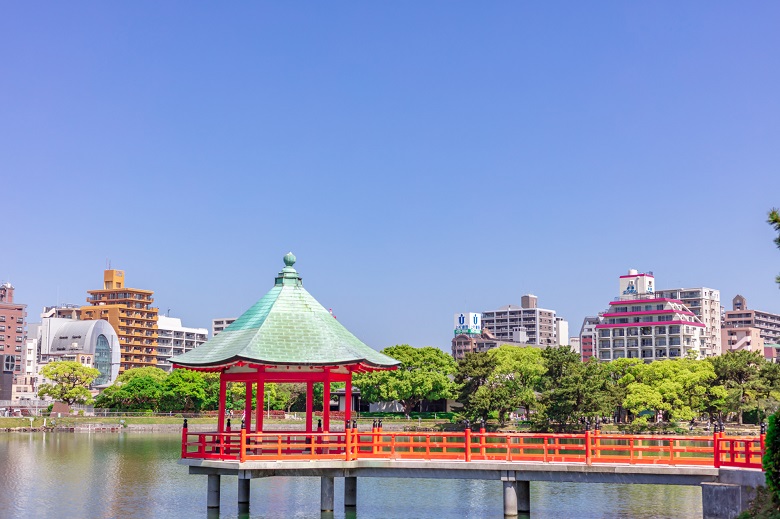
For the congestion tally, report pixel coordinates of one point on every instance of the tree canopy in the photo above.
(774, 221)
(424, 374)
(70, 382)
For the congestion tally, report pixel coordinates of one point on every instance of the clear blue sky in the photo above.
(420, 158)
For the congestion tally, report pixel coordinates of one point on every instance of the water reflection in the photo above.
(137, 475)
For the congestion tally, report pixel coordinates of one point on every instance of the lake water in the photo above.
(136, 475)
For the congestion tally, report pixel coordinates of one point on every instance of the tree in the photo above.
(289, 394)
(738, 372)
(156, 374)
(140, 393)
(182, 390)
(424, 374)
(70, 382)
(474, 372)
(774, 221)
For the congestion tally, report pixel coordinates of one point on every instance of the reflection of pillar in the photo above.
(348, 399)
(243, 491)
(326, 403)
(524, 496)
(350, 491)
(248, 407)
(309, 398)
(222, 398)
(326, 493)
(260, 406)
(212, 496)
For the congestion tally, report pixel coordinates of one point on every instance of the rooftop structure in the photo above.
(287, 336)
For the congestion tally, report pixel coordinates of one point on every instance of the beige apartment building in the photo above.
(740, 316)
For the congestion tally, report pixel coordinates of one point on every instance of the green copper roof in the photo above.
(286, 327)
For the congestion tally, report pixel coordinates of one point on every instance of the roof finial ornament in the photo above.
(289, 259)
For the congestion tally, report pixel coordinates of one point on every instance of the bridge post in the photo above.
(212, 494)
(510, 498)
(350, 491)
(326, 493)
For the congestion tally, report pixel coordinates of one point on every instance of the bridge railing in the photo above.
(589, 447)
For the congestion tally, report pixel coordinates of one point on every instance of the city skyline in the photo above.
(419, 160)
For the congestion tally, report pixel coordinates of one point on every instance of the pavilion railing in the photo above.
(591, 447)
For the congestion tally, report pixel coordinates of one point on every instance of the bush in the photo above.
(771, 459)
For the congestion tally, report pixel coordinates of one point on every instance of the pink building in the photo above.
(641, 324)
(742, 338)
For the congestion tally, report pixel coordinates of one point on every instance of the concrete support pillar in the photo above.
(212, 495)
(510, 498)
(350, 491)
(724, 501)
(243, 491)
(326, 493)
(523, 496)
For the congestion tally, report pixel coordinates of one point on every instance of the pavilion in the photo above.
(286, 337)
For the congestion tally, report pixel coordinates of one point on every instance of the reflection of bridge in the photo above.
(726, 467)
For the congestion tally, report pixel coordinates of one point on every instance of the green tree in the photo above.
(182, 390)
(290, 394)
(473, 375)
(738, 372)
(570, 389)
(69, 382)
(774, 221)
(424, 374)
(140, 393)
(154, 373)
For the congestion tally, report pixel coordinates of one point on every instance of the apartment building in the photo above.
(217, 325)
(740, 316)
(174, 339)
(742, 338)
(640, 323)
(131, 314)
(705, 304)
(588, 337)
(538, 324)
(13, 327)
(471, 337)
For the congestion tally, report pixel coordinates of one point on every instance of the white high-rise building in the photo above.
(537, 324)
(217, 325)
(175, 339)
(705, 304)
(641, 323)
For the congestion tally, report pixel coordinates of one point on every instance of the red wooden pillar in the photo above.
(260, 405)
(348, 398)
(248, 407)
(309, 406)
(326, 403)
(222, 399)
